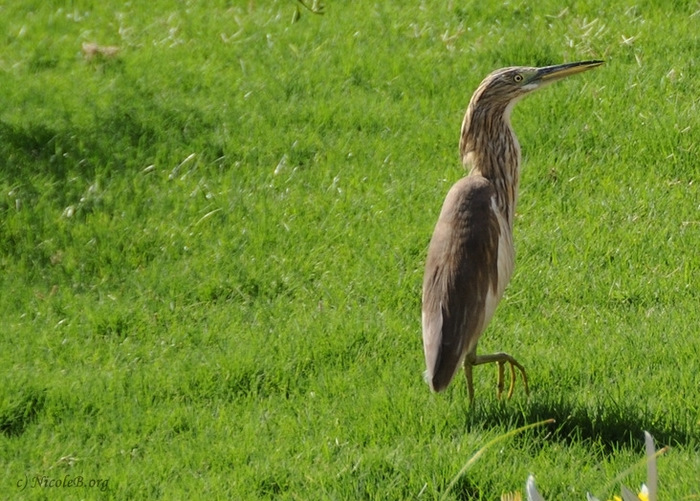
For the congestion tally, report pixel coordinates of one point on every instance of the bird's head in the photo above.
(488, 114)
(508, 85)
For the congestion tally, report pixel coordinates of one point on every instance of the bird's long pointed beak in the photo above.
(557, 72)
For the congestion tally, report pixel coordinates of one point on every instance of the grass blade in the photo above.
(489, 444)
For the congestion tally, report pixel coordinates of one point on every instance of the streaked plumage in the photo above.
(471, 254)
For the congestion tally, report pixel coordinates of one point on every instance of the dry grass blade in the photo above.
(490, 443)
(92, 50)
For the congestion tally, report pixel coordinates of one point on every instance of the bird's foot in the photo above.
(501, 369)
(501, 359)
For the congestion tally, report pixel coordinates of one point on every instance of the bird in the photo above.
(471, 255)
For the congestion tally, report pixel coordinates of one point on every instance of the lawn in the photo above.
(214, 218)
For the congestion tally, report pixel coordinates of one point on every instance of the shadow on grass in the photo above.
(131, 134)
(21, 411)
(613, 426)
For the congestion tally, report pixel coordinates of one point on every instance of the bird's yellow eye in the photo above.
(518, 78)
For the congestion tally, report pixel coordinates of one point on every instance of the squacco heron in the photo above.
(471, 254)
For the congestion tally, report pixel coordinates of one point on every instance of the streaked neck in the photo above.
(489, 148)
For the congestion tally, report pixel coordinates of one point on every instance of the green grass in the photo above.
(212, 248)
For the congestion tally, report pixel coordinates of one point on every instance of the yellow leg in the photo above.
(470, 380)
(499, 382)
(500, 359)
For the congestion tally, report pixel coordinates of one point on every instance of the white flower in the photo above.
(532, 493)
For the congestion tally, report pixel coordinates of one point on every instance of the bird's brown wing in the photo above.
(461, 267)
